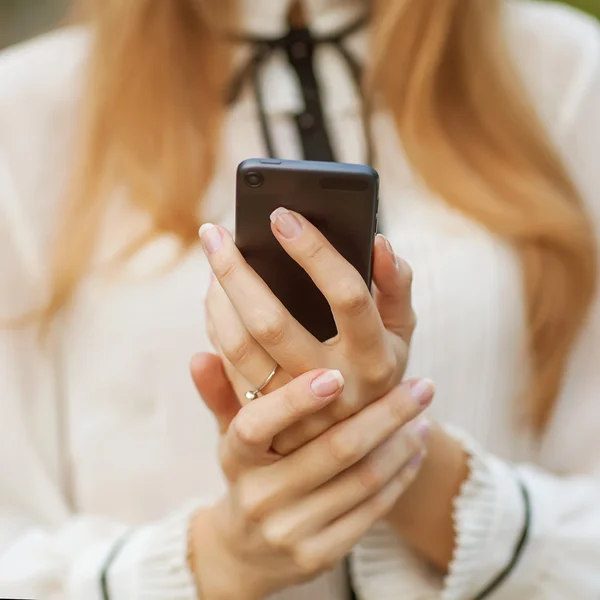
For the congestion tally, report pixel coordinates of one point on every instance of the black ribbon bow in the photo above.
(299, 44)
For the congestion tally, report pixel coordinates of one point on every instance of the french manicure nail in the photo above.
(423, 391)
(422, 427)
(286, 223)
(417, 460)
(327, 384)
(211, 238)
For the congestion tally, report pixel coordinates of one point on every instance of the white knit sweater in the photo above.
(103, 433)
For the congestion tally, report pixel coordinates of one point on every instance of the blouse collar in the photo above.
(268, 18)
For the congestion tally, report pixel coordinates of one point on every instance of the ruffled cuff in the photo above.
(153, 563)
(489, 516)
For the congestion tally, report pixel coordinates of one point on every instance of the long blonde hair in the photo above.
(153, 109)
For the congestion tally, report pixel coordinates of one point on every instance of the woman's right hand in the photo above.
(286, 520)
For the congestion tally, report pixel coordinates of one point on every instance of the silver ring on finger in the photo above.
(254, 394)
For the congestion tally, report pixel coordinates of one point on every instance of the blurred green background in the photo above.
(20, 19)
(592, 6)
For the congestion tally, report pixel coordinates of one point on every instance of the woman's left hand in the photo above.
(254, 332)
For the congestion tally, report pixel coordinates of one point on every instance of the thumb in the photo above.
(393, 290)
(213, 385)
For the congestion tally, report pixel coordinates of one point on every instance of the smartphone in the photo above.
(341, 200)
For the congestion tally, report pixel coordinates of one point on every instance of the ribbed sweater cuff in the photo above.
(383, 567)
(489, 517)
(153, 564)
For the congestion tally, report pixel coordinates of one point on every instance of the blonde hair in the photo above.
(153, 111)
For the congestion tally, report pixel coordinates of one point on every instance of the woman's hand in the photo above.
(287, 519)
(253, 331)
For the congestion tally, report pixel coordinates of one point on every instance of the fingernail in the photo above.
(422, 428)
(327, 384)
(391, 252)
(286, 223)
(211, 238)
(417, 460)
(423, 391)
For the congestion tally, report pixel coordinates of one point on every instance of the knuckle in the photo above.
(342, 450)
(401, 408)
(412, 321)
(407, 273)
(246, 428)
(316, 250)
(351, 297)
(278, 538)
(292, 402)
(309, 562)
(239, 350)
(251, 502)
(224, 271)
(407, 327)
(229, 466)
(381, 371)
(370, 477)
(269, 327)
(342, 409)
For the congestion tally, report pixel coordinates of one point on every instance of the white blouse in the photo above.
(103, 434)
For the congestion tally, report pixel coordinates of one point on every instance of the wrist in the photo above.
(218, 572)
(424, 514)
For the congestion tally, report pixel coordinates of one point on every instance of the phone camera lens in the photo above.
(254, 179)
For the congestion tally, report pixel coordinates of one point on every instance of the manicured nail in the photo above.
(286, 223)
(211, 238)
(423, 391)
(391, 252)
(422, 427)
(327, 384)
(417, 460)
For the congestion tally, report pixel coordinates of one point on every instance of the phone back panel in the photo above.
(340, 200)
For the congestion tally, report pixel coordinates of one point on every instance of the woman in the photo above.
(110, 135)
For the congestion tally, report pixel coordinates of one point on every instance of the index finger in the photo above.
(263, 314)
(356, 316)
(251, 433)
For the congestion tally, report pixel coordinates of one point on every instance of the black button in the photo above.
(306, 121)
(299, 50)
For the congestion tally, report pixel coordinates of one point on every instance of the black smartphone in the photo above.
(341, 200)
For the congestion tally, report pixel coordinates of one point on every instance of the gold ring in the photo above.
(253, 394)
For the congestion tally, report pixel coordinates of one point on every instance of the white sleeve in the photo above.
(561, 557)
(47, 549)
